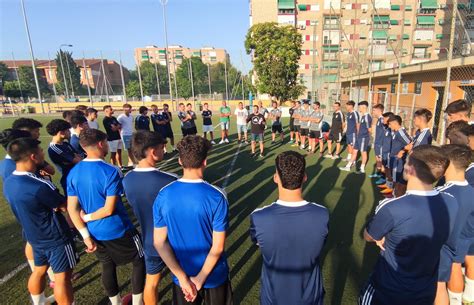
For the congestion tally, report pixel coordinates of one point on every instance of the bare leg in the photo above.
(338, 148)
(119, 157)
(261, 147)
(63, 292)
(456, 281)
(113, 158)
(441, 294)
(150, 292)
(36, 282)
(253, 147)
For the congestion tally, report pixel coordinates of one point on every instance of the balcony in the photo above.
(421, 56)
(331, 27)
(426, 12)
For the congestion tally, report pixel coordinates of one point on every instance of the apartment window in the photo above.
(331, 23)
(405, 87)
(393, 87)
(420, 53)
(418, 86)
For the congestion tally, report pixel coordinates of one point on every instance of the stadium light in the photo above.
(163, 5)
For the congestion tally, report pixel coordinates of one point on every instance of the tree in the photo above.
(11, 89)
(148, 75)
(133, 88)
(3, 71)
(276, 51)
(71, 73)
(199, 77)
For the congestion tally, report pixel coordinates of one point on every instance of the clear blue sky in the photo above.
(112, 25)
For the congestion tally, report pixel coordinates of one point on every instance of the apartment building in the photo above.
(176, 54)
(346, 38)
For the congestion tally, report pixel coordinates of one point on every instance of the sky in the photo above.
(110, 26)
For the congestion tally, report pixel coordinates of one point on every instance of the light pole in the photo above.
(32, 55)
(163, 5)
(62, 67)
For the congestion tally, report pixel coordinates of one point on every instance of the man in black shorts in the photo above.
(297, 123)
(275, 116)
(257, 127)
(335, 133)
(304, 115)
(292, 122)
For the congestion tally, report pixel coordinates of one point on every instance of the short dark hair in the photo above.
(166, 105)
(81, 108)
(387, 114)
(67, 114)
(142, 140)
(291, 167)
(8, 135)
(424, 113)
(337, 103)
(77, 113)
(351, 103)
(458, 132)
(193, 151)
(188, 104)
(126, 105)
(106, 107)
(91, 110)
(56, 126)
(459, 155)
(363, 103)
(181, 104)
(255, 106)
(430, 163)
(395, 118)
(317, 103)
(77, 120)
(90, 137)
(142, 109)
(458, 106)
(206, 104)
(154, 106)
(379, 106)
(26, 123)
(20, 149)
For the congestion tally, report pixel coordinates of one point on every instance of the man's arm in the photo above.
(74, 210)
(218, 244)
(160, 241)
(107, 210)
(380, 243)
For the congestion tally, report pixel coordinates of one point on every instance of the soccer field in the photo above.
(347, 259)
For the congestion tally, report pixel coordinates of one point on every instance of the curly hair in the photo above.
(8, 135)
(193, 151)
(56, 126)
(291, 166)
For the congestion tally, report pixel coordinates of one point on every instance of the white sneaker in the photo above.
(328, 156)
(302, 146)
(212, 142)
(336, 157)
(221, 142)
(362, 170)
(226, 140)
(345, 168)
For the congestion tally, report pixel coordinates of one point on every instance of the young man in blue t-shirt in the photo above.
(450, 271)
(410, 231)
(95, 206)
(141, 187)
(63, 155)
(362, 142)
(7, 165)
(291, 272)
(78, 124)
(190, 230)
(377, 113)
(142, 121)
(37, 205)
(423, 136)
(352, 123)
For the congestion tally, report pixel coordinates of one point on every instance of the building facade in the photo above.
(176, 54)
(347, 38)
(103, 76)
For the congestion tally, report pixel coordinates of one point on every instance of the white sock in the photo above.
(50, 274)
(349, 164)
(468, 295)
(362, 167)
(115, 300)
(38, 299)
(51, 299)
(137, 299)
(349, 156)
(31, 263)
(455, 298)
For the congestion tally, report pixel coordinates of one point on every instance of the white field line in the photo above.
(231, 167)
(12, 273)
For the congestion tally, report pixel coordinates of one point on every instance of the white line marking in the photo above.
(14, 272)
(231, 167)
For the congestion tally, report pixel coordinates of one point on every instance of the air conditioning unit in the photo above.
(364, 10)
(302, 27)
(466, 49)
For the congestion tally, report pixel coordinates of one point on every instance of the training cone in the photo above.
(382, 186)
(127, 300)
(380, 181)
(387, 191)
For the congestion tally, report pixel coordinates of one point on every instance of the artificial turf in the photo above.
(347, 259)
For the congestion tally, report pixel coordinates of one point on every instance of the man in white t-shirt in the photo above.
(126, 132)
(241, 113)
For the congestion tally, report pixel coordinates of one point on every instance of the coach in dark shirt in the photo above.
(290, 233)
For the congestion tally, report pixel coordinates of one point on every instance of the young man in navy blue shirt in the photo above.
(410, 231)
(190, 230)
(377, 113)
(142, 121)
(78, 124)
(37, 205)
(450, 270)
(362, 143)
(352, 122)
(423, 136)
(7, 165)
(63, 155)
(141, 187)
(291, 271)
(94, 205)
(398, 153)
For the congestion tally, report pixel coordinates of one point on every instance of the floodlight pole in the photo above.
(163, 5)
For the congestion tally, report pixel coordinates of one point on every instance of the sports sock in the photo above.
(31, 263)
(349, 156)
(38, 299)
(115, 300)
(455, 298)
(349, 164)
(137, 299)
(362, 167)
(468, 295)
(50, 274)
